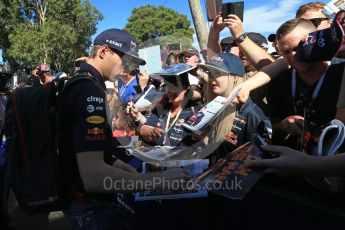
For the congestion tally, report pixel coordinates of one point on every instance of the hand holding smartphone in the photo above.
(233, 8)
(260, 142)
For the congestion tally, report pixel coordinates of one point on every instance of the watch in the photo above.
(241, 38)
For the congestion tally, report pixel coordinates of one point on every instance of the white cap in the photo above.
(109, 85)
(60, 75)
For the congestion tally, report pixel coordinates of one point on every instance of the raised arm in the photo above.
(257, 56)
(213, 45)
(262, 77)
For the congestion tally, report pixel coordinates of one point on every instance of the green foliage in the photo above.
(46, 31)
(147, 23)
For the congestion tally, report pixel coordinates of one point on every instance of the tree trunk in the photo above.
(199, 23)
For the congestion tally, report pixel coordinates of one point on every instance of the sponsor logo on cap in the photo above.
(95, 120)
(218, 59)
(334, 33)
(133, 45)
(115, 43)
(310, 39)
(321, 42)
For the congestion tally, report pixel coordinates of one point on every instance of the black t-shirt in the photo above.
(320, 112)
(83, 125)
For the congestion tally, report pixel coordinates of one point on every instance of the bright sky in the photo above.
(263, 16)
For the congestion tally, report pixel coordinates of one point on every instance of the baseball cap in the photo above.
(227, 41)
(60, 75)
(121, 41)
(321, 45)
(190, 52)
(257, 38)
(225, 63)
(272, 38)
(109, 85)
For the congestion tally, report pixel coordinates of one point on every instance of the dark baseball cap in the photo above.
(272, 37)
(227, 41)
(121, 41)
(225, 63)
(190, 52)
(321, 45)
(257, 38)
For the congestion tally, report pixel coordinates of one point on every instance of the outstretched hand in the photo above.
(290, 161)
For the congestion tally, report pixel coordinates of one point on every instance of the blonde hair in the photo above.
(223, 123)
(311, 6)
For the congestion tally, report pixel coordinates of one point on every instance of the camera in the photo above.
(233, 8)
(174, 46)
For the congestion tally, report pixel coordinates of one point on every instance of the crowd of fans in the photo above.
(280, 98)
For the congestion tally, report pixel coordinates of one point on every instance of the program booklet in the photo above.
(158, 153)
(332, 8)
(228, 177)
(148, 99)
(194, 167)
(198, 122)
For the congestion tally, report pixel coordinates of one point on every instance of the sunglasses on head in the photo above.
(317, 21)
(227, 47)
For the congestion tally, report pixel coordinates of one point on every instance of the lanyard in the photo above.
(316, 90)
(123, 88)
(168, 127)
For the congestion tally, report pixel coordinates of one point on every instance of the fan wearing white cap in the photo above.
(236, 125)
(163, 125)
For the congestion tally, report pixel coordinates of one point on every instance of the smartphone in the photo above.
(233, 8)
(260, 142)
(174, 46)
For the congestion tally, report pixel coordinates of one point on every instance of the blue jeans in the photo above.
(95, 214)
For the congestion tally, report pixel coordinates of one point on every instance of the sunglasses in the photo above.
(317, 21)
(227, 47)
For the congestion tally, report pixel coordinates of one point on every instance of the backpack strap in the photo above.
(81, 76)
(20, 127)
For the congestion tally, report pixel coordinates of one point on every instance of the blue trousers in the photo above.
(95, 214)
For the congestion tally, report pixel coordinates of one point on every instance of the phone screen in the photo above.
(233, 8)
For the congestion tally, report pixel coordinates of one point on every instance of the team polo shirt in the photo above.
(83, 124)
